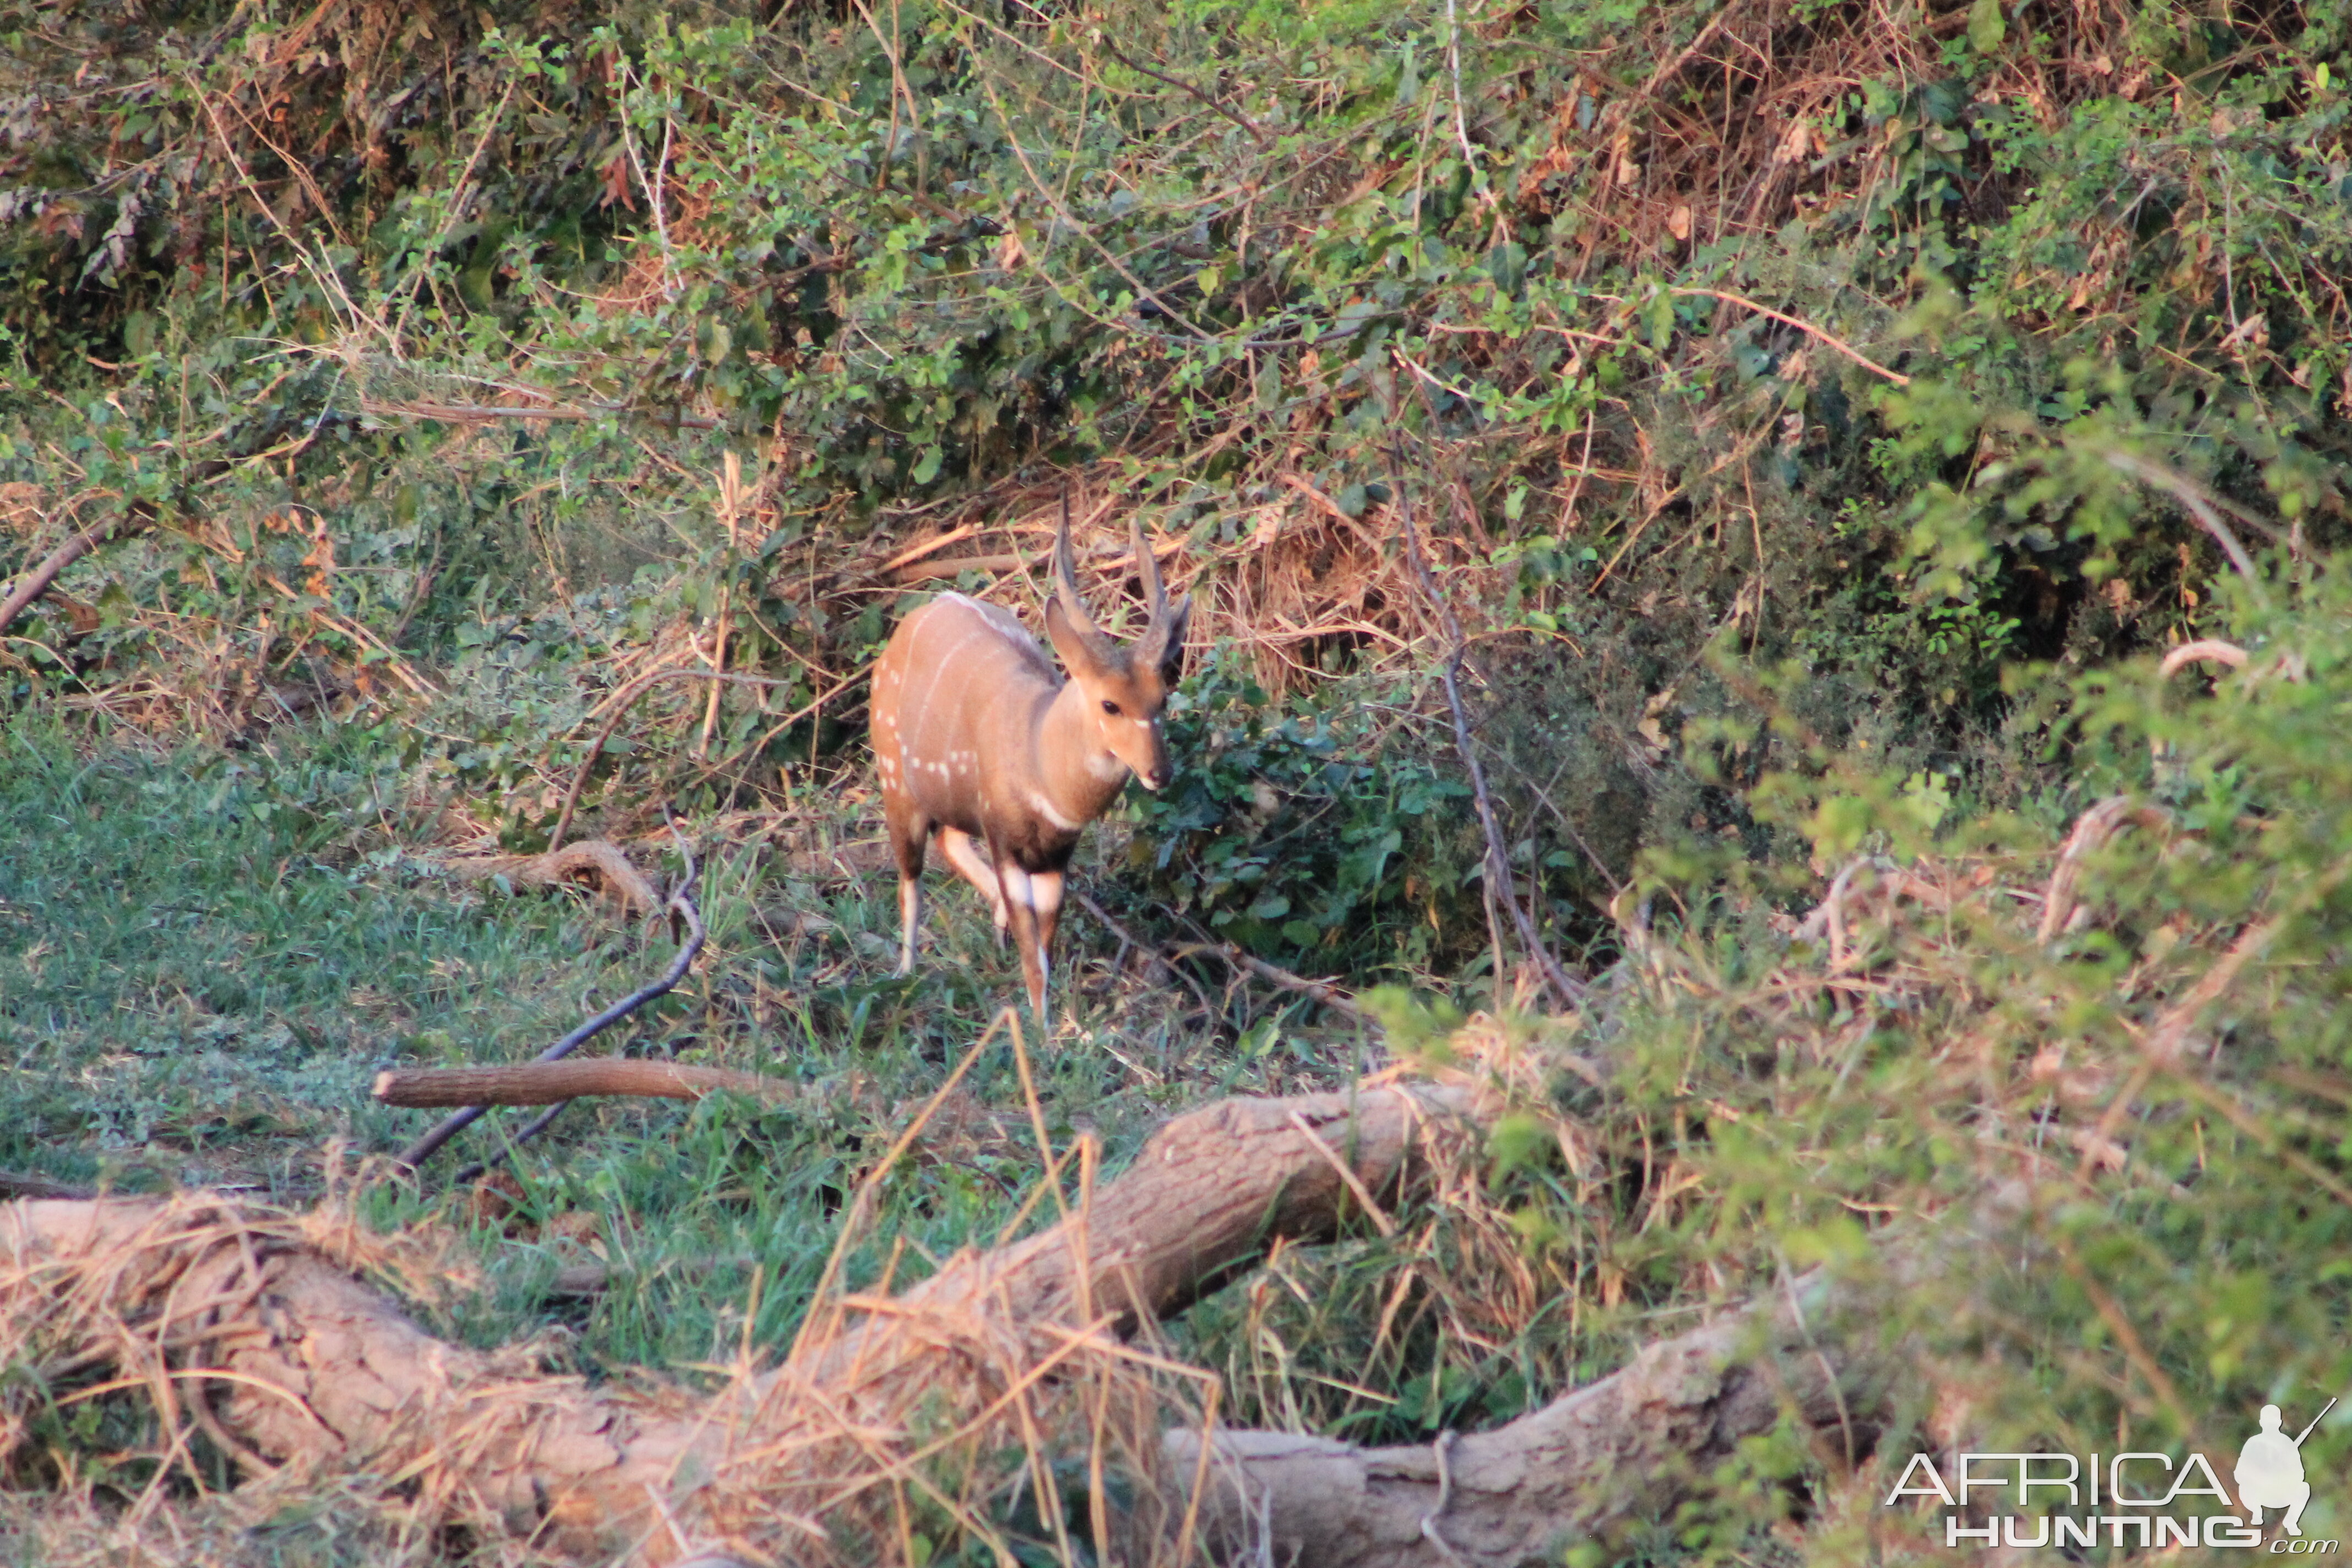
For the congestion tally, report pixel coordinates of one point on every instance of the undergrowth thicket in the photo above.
(1906, 347)
(1818, 416)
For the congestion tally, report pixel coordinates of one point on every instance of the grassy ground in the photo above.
(205, 959)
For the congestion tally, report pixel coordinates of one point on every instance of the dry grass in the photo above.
(858, 1448)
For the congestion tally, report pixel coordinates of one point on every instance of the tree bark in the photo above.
(253, 1325)
(545, 1083)
(1632, 1444)
(1203, 1198)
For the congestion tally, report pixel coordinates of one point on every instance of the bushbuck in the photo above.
(979, 741)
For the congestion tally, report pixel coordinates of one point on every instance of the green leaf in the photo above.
(1507, 265)
(1987, 26)
(927, 466)
(1658, 316)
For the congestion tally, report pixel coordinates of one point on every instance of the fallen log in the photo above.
(254, 1328)
(1630, 1446)
(244, 1320)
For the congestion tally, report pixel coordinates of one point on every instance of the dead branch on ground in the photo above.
(331, 1374)
(550, 1083)
(43, 576)
(252, 1325)
(681, 905)
(1628, 1446)
(596, 863)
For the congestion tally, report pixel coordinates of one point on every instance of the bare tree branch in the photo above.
(1498, 863)
(680, 904)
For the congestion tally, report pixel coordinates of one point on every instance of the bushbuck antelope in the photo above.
(979, 741)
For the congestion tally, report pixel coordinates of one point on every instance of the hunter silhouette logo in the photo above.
(2150, 1501)
(2270, 1471)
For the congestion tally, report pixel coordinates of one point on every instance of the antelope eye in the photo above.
(1111, 709)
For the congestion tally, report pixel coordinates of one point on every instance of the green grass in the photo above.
(205, 959)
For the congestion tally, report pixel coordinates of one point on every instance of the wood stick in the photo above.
(1811, 331)
(41, 578)
(2092, 831)
(2198, 652)
(680, 903)
(2195, 501)
(482, 413)
(545, 1083)
(24, 1184)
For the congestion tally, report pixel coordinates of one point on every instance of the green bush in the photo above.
(1301, 836)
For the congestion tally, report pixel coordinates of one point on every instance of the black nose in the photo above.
(1151, 780)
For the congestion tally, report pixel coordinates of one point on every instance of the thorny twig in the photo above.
(1257, 132)
(1318, 990)
(1103, 919)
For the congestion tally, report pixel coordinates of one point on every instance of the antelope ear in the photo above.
(1169, 651)
(1070, 642)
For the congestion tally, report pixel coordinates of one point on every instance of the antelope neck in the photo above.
(1080, 776)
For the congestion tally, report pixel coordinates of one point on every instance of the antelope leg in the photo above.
(974, 867)
(1020, 904)
(1045, 897)
(909, 834)
(910, 919)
